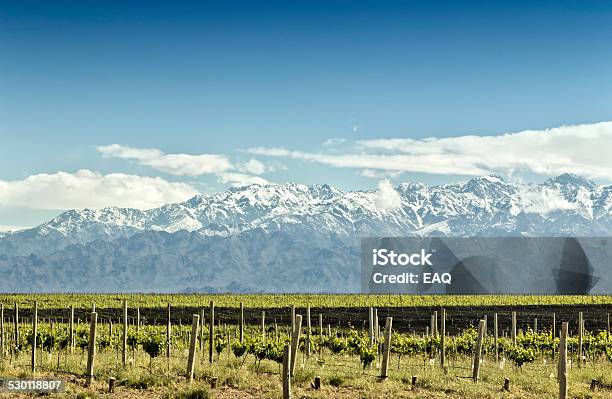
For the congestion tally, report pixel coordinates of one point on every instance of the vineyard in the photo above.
(84, 301)
(499, 354)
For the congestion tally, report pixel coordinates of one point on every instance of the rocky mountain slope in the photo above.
(281, 238)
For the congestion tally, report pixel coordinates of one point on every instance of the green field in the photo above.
(349, 367)
(52, 301)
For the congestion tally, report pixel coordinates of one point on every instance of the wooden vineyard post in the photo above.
(513, 328)
(263, 324)
(371, 328)
(192, 346)
(211, 331)
(554, 332)
(125, 334)
(202, 320)
(169, 333)
(608, 329)
(376, 333)
(495, 337)
(241, 322)
(287, 361)
(435, 323)
(432, 322)
(443, 338)
(308, 331)
(138, 319)
(478, 351)
(320, 334)
(386, 348)
(91, 350)
(562, 371)
(580, 337)
(375, 325)
(16, 327)
(292, 321)
(295, 342)
(1, 332)
(486, 332)
(535, 325)
(371, 325)
(34, 336)
(71, 327)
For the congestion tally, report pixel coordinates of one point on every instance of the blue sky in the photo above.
(240, 79)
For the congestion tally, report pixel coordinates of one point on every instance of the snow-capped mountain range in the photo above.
(281, 238)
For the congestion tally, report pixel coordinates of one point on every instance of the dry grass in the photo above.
(341, 376)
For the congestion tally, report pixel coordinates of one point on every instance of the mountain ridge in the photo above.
(252, 227)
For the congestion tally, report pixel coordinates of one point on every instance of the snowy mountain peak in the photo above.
(73, 221)
(268, 236)
(567, 204)
(571, 180)
(482, 184)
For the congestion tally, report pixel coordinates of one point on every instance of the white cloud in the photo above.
(373, 174)
(125, 152)
(240, 174)
(175, 164)
(334, 141)
(579, 149)
(277, 152)
(240, 179)
(89, 189)
(386, 196)
(392, 162)
(542, 200)
(252, 166)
